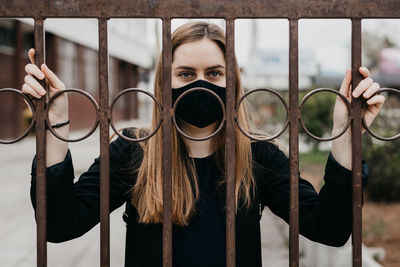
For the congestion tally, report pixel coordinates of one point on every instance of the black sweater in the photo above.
(73, 208)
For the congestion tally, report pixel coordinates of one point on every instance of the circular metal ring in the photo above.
(112, 109)
(31, 105)
(269, 138)
(207, 91)
(79, 91)
(307, 96)
(396, 91)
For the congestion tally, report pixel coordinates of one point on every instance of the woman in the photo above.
(198, 182)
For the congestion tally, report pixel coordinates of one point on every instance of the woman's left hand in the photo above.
(367, 87)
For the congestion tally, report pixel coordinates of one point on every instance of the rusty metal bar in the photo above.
(230, 143)
(356, 142)
(294, 144)
(41, 185)
(202, 8)
(104, 146)
(167, 142)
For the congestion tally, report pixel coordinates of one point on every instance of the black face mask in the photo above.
(199, 108)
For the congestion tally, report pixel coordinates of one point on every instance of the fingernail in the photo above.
(42, 92)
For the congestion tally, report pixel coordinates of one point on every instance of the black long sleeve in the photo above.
(74, 208)
(325, 217)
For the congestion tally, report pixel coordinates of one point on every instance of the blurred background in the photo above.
(262, 52)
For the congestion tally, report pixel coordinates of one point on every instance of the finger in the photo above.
(53, 79)
(34, 84)
(26, 89)
(31, 55)
(345, 87)
(362, 86)
(376, 100)
(34, 70)
(364, 72)
(371, 90)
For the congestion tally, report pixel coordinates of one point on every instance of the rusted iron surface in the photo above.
(167, 143)
(85, 94)
(294, 143)
(104, 146)
(347, 103)
(230, 143)
(356, 142)
(126, 91)
(31, 106)
(267, 138)
(41, 182)
(202, 8)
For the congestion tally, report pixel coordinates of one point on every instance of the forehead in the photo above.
(199, 53)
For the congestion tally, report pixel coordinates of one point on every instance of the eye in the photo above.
(186, 74)
(214, 74)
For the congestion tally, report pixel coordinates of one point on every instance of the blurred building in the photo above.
(265, 64)
(267, 58)
(269, 68)
(71, 52)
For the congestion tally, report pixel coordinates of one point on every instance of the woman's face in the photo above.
(199, 60)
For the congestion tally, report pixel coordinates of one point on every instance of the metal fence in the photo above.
(229, 10)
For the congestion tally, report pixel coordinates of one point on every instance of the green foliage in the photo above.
(384, 170)
(317, 115)
(374, 229)
(313, 157)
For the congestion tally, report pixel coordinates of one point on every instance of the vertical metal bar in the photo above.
(230, 143)
(167, 140)
(356, 142)
(41, 204)
(104, 146)
(294, 145)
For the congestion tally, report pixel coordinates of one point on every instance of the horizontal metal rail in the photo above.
(201, 8)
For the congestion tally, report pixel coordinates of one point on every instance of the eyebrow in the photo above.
(208, 68)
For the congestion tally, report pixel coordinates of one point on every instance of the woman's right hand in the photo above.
(58, 112)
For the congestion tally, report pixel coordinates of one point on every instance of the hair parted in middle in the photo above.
(147, 191)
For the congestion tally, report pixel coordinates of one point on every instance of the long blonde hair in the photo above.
(147, 191)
